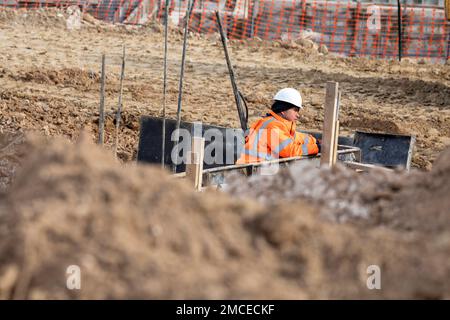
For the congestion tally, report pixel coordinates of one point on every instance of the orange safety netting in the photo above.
(346, 27)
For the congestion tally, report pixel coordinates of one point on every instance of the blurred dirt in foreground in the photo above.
(136, 232)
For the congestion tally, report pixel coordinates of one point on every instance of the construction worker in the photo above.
(274, 135)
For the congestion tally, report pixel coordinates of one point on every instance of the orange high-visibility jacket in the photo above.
(273, 137)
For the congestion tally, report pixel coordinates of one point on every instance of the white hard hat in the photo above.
(289, 95)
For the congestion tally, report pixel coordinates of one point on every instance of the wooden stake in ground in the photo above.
(194, 168)
(335, 146)
(329, 141)
(119, 107)
(101, 120)
(336, 130)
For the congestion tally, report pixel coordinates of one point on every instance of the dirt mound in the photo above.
(73, 77)
(341, 194)
(50, 17)
(66, 115)
(411, 202)
(423, 203)
(132, 235)
(65, 18)
(331, 261)
(12, 150)
(136, 232)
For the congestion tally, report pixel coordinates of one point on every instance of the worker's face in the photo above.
(291, 114)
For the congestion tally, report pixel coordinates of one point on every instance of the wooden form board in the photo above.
(209, 176)
(330, 125)
(364, 166)
(447, 9)
(194, 168)
(335, 145)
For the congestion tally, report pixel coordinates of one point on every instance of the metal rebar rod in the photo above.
(166, 31)
(180, 85)
(101, 121)
(119, 107)
(237, 98)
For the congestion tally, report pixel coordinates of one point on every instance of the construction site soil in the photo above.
(137, 232)
(50, 82)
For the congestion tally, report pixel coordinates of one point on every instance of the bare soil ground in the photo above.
(49, 80)
(136, 232)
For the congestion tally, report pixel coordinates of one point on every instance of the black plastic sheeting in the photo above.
(224, 145)
(389, 150)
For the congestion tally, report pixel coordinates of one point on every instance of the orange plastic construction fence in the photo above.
(346, 27)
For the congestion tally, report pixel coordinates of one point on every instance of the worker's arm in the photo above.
(309, 144)
(301, 144)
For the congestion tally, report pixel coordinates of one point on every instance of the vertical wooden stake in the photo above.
(101, 120)
(194, 167)
(335, 149)
(329, 124)
(336, 134)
